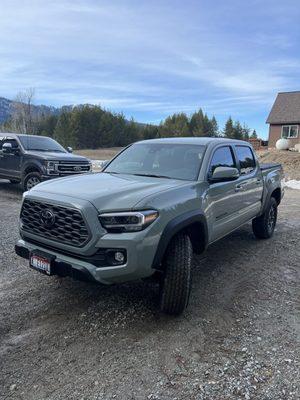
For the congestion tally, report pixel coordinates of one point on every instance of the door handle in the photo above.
(258, 181)
(239, 188)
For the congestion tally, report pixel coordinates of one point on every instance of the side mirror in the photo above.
(222, 174)
(69, 150)
(7, 148)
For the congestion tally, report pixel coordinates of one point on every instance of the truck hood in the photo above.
(55, 156)
(107, 192)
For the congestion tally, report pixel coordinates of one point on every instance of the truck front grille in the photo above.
(73, 168)
(57, 223)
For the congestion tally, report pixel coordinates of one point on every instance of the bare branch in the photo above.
(22, 112)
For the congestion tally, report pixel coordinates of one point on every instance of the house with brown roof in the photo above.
(284, 118)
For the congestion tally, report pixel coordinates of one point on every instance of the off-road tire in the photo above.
(30, 180)
(176, 280)
(264, 225)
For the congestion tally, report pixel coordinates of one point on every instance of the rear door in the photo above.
(222, 197)
(250, 182)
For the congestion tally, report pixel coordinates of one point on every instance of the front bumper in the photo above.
(60, 267)
(46, 177)
(88, 270)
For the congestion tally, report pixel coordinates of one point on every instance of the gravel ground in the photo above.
(239, 339)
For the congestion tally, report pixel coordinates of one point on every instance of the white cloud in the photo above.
(150, 58)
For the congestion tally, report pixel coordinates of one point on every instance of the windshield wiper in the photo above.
(60, 151)
(128, 173)
(53, 150)
(56, 151)
(153, 176)
(36, 149)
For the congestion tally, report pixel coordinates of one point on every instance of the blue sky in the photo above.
(153, 58)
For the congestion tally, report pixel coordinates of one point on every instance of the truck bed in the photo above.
(265, 166)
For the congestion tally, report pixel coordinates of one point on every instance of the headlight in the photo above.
(131, 221)
(51, 167)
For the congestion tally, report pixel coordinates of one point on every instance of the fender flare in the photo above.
(174, 226)
(31, 165)
(267, 199)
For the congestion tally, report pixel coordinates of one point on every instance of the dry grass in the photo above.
(99, 154)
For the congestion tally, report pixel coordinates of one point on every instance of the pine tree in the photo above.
(246, 132)
(229, 129)
(215, 127)
(63, 132)
(237, 131)
(207, 126)
(254, 134)
(175, 125)
(196, 123)
(149, 132)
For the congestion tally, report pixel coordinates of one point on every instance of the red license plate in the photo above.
(40, 263)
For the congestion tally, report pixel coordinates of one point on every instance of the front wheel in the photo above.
(32, 179)
(176, 282)
(264, 226)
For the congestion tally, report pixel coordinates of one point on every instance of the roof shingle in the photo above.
(286, 109)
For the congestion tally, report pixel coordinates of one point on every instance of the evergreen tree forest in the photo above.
(91, 127)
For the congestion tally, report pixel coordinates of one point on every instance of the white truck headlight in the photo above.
(131, 221)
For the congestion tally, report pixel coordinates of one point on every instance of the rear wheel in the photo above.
(264, 226)
(32, 179)
(176, 282)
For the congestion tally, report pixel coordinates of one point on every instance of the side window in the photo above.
(222, 157)
(13, 142)
(246, 159)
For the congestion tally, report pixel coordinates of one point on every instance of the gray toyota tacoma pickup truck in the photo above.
(143, 216)
(31, 159)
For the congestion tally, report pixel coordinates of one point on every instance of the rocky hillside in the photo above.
(6, 109)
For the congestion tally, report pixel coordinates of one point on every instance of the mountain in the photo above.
(6, 107)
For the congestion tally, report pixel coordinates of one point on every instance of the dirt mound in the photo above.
(290, 161)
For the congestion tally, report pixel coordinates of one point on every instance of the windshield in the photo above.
(41, 143)
(168, 160)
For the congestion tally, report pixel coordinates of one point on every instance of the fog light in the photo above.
(119, 257)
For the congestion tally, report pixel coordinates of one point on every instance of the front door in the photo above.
(223, 203)
(10, 163)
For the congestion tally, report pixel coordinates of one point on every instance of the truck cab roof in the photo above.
(14, 135)
(204, 141)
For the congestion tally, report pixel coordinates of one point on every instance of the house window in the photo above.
(289, 131)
